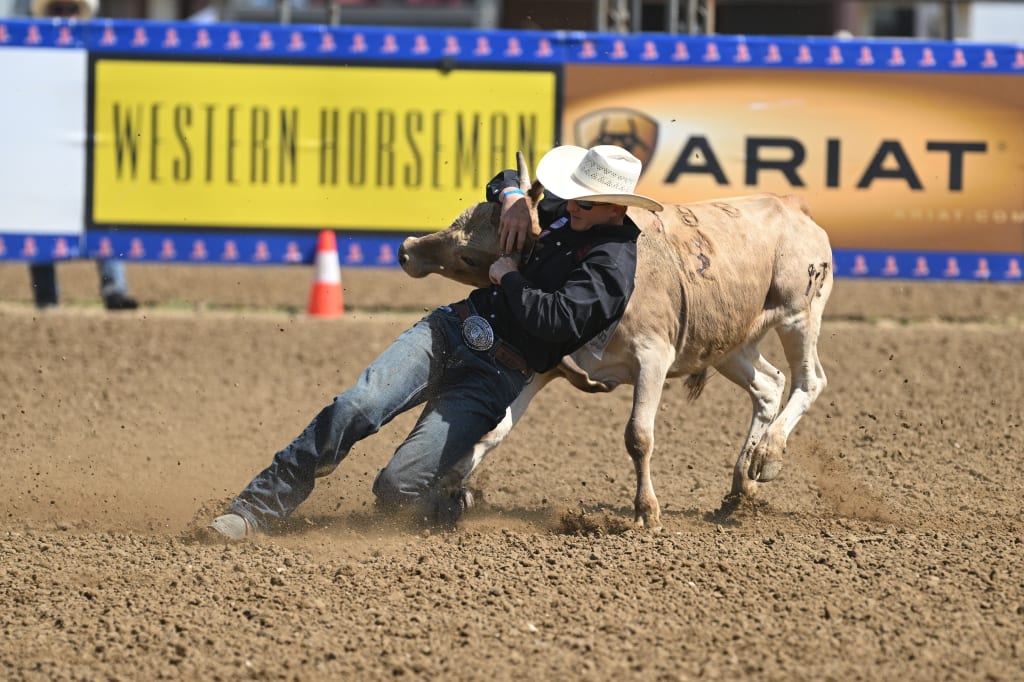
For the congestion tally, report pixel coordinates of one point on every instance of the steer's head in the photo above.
(465, 249)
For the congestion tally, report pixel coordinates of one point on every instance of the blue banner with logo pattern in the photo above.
(478, 48)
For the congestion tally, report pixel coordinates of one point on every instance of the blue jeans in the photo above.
(466, 393)
(112, 277)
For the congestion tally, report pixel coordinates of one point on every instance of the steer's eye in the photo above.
(468, 261)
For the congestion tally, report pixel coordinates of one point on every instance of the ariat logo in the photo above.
(632, 130)
(230, 252)
(171, 38)
(513, 48)
(199, 250)
(941, 163)
(106, 249)
(140, 38)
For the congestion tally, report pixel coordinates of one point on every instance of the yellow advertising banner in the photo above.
(204, 144)
(886, 161)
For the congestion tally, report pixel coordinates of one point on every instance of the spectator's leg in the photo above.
(44, 284)
(114, 285)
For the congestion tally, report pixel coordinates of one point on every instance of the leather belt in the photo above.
(503, 352)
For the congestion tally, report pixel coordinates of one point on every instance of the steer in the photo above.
(712, 279)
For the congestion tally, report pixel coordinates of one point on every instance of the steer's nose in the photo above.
(410, 256)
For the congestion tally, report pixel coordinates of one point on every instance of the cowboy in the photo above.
(466, 362)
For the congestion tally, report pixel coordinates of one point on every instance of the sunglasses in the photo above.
(587, 205)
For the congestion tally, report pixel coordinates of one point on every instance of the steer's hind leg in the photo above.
(765, 384)
(799, 336)
(653, 367)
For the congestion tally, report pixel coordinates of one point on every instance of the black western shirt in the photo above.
(573, 286)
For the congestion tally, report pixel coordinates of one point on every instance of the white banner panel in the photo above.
(42, 164)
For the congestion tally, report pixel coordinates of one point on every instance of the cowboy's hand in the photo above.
(516, 223)
(502, 267)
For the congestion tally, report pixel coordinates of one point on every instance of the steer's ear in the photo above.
(535, 191)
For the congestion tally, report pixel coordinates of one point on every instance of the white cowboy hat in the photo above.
(604, 173)
(86, 8)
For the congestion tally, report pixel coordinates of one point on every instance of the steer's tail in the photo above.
(695, 384)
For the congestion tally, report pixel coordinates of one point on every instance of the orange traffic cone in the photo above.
(325, 299)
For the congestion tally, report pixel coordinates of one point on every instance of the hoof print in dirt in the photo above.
(581, 522)
(734, 507)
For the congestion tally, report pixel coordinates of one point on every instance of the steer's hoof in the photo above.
(770, 471)
(648, 524)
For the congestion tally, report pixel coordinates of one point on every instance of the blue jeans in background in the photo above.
(465, 392)
(112, 277)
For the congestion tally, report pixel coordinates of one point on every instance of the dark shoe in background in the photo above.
(44, 284)
(119, 302)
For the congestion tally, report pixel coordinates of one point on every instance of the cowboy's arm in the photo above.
(516, 225)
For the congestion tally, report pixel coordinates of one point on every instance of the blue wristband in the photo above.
(509, 191)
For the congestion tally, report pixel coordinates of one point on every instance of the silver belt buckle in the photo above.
(477, 333)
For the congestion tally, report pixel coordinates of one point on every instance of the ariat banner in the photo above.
(239, 145)
(885, 160)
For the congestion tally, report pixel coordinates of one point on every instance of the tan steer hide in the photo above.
(713, 277)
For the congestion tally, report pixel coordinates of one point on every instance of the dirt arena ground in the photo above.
(892, 547)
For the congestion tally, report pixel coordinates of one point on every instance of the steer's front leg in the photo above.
(640, 434)
(640, 444)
